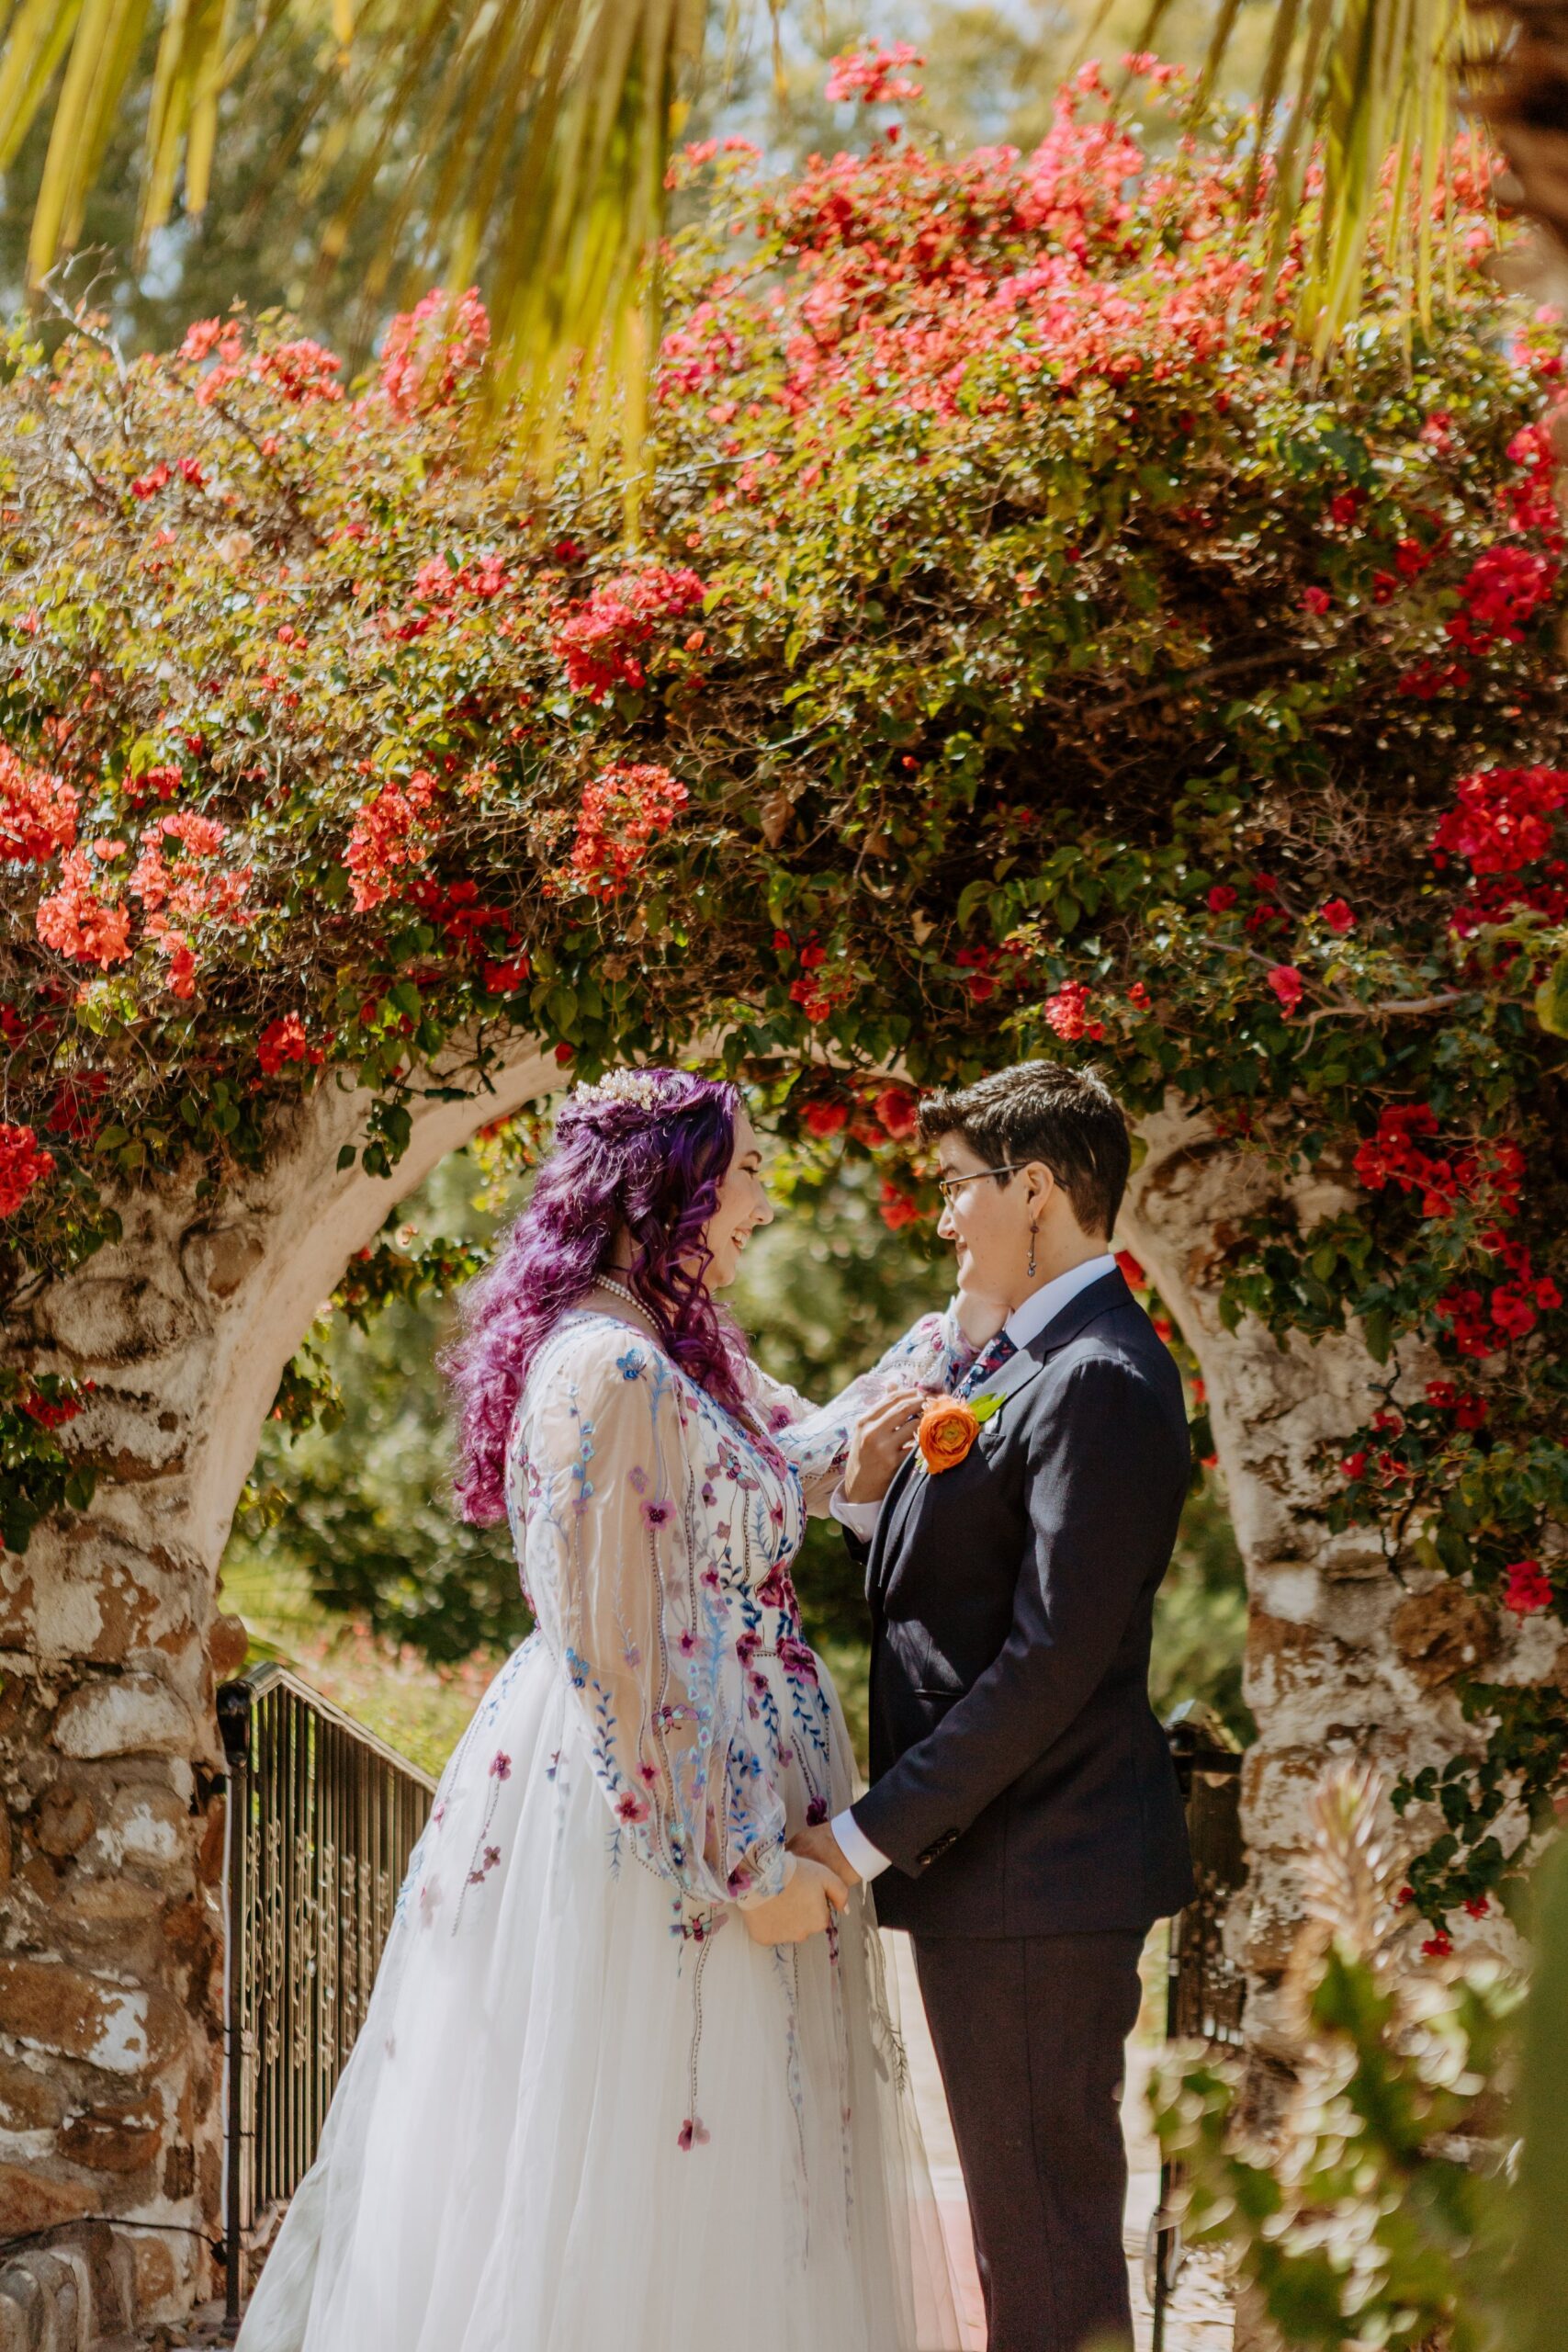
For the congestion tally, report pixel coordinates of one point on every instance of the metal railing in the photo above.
(1204, 1989)
(322, 1820)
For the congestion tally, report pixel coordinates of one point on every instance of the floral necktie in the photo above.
(995, 1353)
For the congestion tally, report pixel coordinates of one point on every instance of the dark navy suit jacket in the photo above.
(1020, 1780)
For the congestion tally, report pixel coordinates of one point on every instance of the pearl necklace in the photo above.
(608, 1282)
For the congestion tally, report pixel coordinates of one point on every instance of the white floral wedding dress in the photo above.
(587, 2113)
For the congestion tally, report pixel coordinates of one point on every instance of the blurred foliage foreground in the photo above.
(1412, 2195)
(348, 1556)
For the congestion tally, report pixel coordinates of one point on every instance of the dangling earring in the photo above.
(1032, 1236)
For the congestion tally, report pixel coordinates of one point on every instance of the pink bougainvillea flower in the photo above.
(37, 812)
(602, 643)
(75, 921)
(395, 827)
(435, 351)
(623, 812)
(876, 76)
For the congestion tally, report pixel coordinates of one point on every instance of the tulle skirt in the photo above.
(574, 2124)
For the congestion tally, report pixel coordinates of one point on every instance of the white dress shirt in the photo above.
(1026, 1323)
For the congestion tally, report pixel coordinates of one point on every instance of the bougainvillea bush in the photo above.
(1022, 652)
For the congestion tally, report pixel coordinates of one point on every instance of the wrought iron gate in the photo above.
(322, 1820)
(1204, 1989)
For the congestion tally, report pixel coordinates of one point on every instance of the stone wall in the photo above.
(112, 1642)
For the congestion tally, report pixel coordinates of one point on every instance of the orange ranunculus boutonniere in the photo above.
(949, 1427)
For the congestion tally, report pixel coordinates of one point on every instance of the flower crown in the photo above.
(635, 1086)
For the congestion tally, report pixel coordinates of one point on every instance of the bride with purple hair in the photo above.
(629, 2080)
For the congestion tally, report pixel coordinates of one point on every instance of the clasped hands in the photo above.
(819, 1885)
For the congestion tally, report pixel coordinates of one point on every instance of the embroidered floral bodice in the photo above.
(654, 1534)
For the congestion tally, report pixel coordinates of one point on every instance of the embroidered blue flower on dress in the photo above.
(630, 1365)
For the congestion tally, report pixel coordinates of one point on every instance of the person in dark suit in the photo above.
(1024, 1820)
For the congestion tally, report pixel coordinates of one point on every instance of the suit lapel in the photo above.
(1006, 1381)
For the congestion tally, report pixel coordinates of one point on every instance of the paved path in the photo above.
(1199, 2318)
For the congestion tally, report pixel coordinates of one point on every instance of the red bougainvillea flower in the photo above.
(1222, 898)
(1499, 597)
(1438, 1945)
(37, 812)
(874, 76)
(396, 827)
(601, 643)
(1526, 1587)
(75, 921)
(623, 810)
(896, 1208)
(1286, 983)
(899, 1112)
(432, 351)
(1503, 820)
(1339, 916)
(1315, 600)
(1131, 1269)
(1488, 1175)
(825, 1118)
(22, 1166)
(285, 1041)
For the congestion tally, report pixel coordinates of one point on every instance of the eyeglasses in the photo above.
(948, 1185)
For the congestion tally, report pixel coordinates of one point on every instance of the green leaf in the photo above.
(1552, 1001)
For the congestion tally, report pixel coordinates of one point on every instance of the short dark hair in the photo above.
(1068, 1118)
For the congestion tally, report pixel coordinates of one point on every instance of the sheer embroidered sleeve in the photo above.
(933, 1353)
(612, 1509)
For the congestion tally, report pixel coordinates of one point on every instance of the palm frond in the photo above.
(532, 132)
(532, 136)
(1370, 91)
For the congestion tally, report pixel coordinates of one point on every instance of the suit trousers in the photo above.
(1028, 2033)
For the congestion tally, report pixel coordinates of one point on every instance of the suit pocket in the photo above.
(934, 1701)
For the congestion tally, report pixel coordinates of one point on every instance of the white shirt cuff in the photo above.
(854, 1844)
(859, 1518)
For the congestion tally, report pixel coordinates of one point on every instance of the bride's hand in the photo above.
(883, 1437)
(801, 1908)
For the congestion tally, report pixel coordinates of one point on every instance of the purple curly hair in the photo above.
(655, 1170)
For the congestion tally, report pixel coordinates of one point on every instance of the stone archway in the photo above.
(111, 1640)
(111, 1644)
